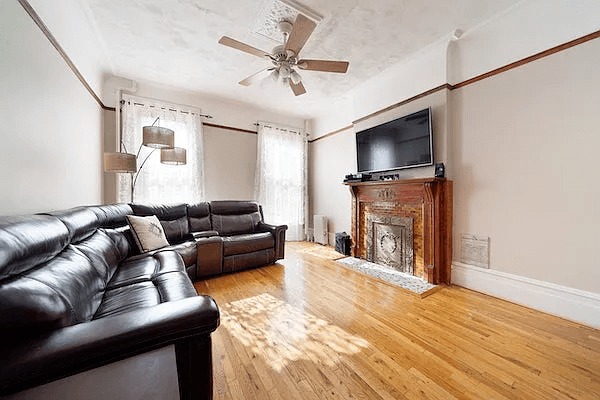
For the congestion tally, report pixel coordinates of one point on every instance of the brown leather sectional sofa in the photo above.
(76, 294)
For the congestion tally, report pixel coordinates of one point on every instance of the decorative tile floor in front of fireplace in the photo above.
(406, 281)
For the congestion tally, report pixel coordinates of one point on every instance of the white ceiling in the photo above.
(174, 42)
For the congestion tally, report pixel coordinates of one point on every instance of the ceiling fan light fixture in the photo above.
(275, 75)
(295, 77)
(285, 71)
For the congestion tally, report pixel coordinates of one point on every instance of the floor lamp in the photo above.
(155, 137)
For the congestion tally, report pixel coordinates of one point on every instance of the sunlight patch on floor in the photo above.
(282, 333)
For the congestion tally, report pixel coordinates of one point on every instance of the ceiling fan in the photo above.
(285, 57)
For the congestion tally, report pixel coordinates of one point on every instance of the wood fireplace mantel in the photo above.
(428, 201)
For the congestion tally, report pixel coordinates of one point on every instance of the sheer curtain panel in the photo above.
(280, 183)
(162, 183)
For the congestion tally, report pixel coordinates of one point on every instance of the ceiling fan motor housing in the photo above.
(279, 53)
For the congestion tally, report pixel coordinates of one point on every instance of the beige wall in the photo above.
(229, 164)
(51, 130)
(329, 161)
(525, 152)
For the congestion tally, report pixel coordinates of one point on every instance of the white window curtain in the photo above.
(280, 180)
(156, 182)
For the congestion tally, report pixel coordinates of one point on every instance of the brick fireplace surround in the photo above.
(427, 201)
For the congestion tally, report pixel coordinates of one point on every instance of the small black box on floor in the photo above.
(342, 243)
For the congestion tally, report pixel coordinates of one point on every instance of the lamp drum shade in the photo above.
(158, 137)
(120, 162)
(174, 156)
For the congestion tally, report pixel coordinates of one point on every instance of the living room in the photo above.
(517, 140)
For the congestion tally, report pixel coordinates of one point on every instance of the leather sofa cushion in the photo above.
(135, 270)
(235, 217)
(62, 291)
(146, 267)
(166, 286)
(248, 260)
(77, 282)
(81, 222)
(28, 307)
(103, 252)
(173, 218)
(122, 239)
(166, 212)
(235, 224)
(233, 207)
(187, 251)
(199, 217)
(26, 241)
(174, 286)
(177, 230)
(127, 298)
(247, 243)
(112, 215)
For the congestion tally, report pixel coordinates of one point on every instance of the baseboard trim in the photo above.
(572, 304)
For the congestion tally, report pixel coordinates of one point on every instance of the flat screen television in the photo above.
(405, 142)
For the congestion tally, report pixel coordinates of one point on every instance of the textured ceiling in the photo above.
(174, 42)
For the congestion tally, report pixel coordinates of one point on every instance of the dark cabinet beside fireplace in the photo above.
(382, 212)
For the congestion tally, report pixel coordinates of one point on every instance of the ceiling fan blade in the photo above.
(256, 77)
(227, 41)
(303, 28)
(324, 65)
(297, 89)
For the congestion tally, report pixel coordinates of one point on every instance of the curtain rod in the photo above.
(171, 109)
(285, 129)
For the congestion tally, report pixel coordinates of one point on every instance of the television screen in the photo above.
(405, 142)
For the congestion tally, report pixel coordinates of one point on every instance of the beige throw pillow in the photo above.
(147, 232)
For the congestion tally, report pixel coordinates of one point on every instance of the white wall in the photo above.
(527, 28)
(86, 49)
(230, 156)
(51, 131)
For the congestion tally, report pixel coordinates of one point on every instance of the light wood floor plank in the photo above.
(309, 328)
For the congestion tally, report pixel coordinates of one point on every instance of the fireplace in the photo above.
(404, 224)
(390, 242)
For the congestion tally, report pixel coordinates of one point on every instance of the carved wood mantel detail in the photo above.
(427, 201)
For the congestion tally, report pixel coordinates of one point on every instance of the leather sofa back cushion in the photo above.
(26, 241)
(235, 217)
(176, 231)
(112, 215)
(233, 207)
(199, 217)
(80, 221)
(173, 218)
(65, 290)
(235, 224)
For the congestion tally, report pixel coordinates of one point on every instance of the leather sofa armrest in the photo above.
(92, 344)
(204, 234)
(278, 232)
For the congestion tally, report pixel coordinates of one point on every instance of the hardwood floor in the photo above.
(309, 328)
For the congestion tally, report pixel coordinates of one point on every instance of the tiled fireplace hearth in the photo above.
(404, 224)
